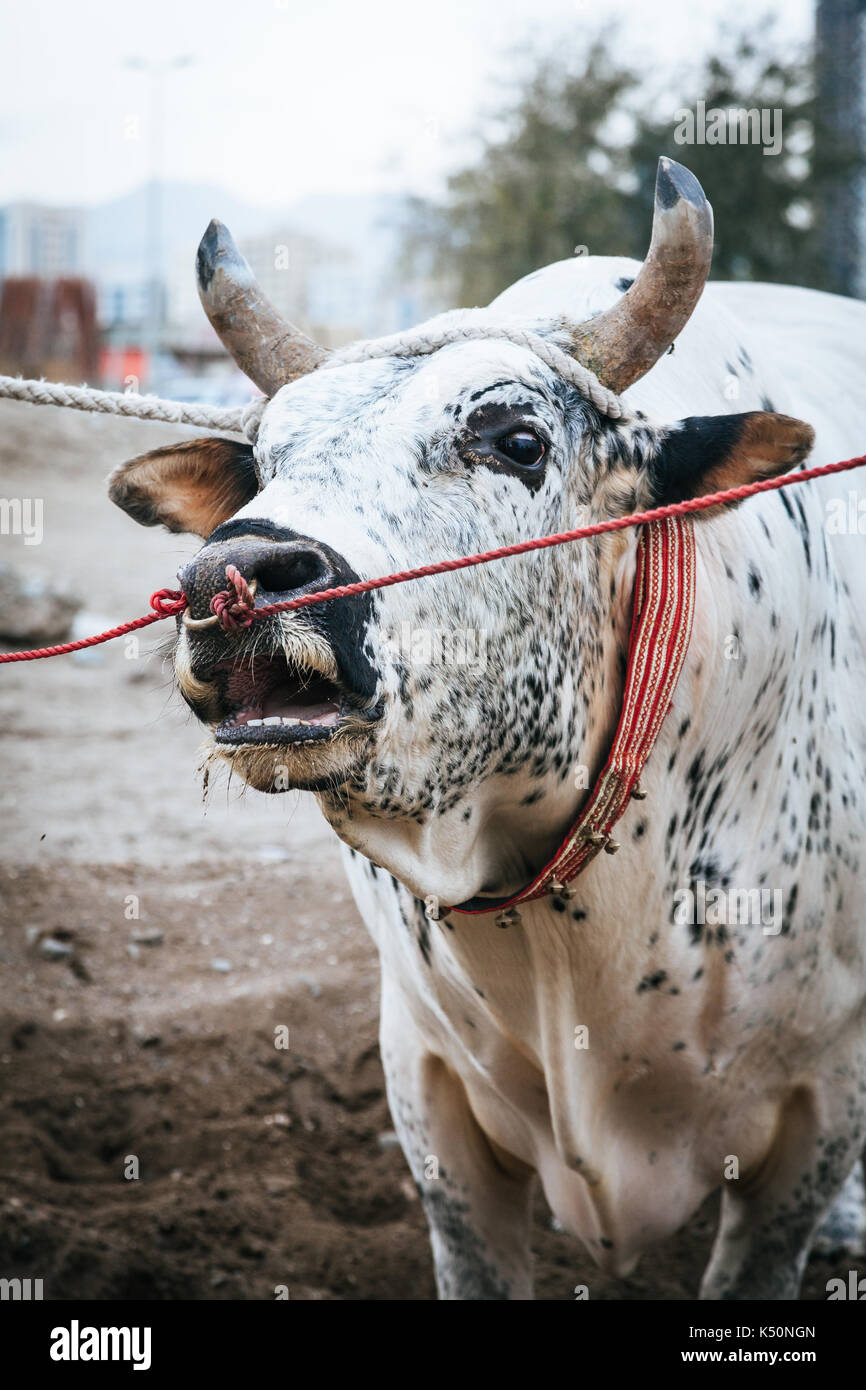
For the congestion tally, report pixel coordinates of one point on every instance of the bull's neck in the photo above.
(501, 833)
(750, 614)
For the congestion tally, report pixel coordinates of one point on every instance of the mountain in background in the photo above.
(116, 239)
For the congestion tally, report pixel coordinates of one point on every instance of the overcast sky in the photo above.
(288, 97)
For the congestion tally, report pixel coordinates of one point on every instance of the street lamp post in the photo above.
(157, 69)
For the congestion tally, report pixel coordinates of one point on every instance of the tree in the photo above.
(576, 165)
(549, 183)
(841, 91)
(766, 206)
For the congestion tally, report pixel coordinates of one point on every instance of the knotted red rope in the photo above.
(234, 606)
(237, 609)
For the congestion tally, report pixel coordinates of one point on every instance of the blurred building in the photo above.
(41, 241)
(48, 327)
(329, 264)
(47, 306)
(124, 301)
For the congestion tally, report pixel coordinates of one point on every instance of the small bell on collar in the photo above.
(560, 890)
(509, 917)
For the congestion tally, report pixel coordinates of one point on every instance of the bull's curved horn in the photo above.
(269, 349)
(623, 342)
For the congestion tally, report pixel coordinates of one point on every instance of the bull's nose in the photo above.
(282, 567)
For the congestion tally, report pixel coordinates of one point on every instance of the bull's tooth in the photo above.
(272, 719)
(254, 723)
(291, 722)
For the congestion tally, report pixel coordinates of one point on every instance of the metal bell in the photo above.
(561, 890)
(509, 917)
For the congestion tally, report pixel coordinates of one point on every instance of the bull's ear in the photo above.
(186, 487)
(708, 453)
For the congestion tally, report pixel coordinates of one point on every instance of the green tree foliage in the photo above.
(549, 183)
(767, 207)
(576, 166)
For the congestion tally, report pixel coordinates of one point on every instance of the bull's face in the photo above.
(411, 697)
(430, 715)
(445, 703)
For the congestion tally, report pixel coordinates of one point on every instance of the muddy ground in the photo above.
(146, 1043)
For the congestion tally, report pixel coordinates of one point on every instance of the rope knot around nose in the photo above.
(234, 606)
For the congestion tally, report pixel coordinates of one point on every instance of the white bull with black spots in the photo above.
(634, 1054)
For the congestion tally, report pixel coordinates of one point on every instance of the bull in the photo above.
(631, 1054)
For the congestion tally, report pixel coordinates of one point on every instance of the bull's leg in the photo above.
(769, 1222)
(844, 1226)
(478, 1211)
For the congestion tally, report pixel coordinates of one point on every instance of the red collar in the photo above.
(662, 615)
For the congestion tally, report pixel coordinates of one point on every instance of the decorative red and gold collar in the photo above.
(662, 616)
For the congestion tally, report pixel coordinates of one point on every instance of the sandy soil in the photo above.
(153, 1037)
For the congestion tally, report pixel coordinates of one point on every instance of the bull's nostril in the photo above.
(284, 571)
(281, 568)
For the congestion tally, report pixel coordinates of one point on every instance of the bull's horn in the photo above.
(269, 349)
(622, 343)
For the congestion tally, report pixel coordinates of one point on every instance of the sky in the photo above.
(284, 98)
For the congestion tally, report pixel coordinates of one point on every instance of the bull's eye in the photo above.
(522, 447)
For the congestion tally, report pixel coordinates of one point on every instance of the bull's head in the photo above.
(430, 717)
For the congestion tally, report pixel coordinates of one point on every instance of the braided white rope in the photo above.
(127, 403)
(466, 325)
(477, 324)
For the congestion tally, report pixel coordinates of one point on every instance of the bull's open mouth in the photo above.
(270, 700)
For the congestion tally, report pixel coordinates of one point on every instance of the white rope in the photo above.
(460, 327)
(477, 324)
(127, 403)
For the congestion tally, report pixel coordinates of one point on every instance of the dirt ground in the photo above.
(146, 1043)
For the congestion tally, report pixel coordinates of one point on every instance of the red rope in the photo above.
(234, 604)
(165, 603)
